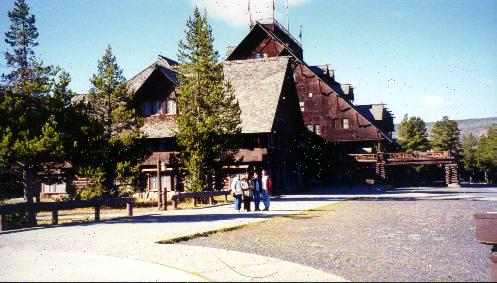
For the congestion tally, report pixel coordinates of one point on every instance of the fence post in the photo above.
(3, 222)
(129, 206)
(97, 213)
(55, 217)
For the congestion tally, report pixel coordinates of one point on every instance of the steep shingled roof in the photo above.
(164, 64)
(159, 126)
(257, 84)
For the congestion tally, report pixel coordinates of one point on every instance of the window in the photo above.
(165, 181)
(317, 129)
(146, 108)
(309, 94)
(342, 123)
(155, 107)
(270, 141)
(153, 183)
(310, 128)
(171, 107)
(260, 55)
(151, 107)
(345, 123)
(54, 188)
(301, 106)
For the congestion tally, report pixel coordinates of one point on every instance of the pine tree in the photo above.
(209, 113)
(486, 153)
(29, 140)
(120, 149)
(468, 152)
(28, 76)
(445, 136)
(412, 134)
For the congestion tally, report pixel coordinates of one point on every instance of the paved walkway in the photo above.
(127, 248)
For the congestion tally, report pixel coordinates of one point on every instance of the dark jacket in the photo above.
(253, 183)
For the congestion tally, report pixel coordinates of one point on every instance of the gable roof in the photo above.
(163, 64)
(257, 85)
(336, 87)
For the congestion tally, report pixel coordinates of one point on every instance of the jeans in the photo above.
(266, 199)
(257, 199)
(246, 203)
(238, 202)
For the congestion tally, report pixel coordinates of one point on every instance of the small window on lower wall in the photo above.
(345, 124)
(153, 183)
(342, 123)
(317, 129)
(301, 103)
(310, 128)
(171, 107)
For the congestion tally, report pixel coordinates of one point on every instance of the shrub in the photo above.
(92, 192)
(17, 220)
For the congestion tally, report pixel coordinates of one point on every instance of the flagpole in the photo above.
(250, 15)
(300, 36)
(287, 17)
(273, 10)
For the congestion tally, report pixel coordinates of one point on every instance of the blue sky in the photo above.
(426, 58)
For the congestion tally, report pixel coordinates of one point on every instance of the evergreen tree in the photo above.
(119, 143)
(412, 134)
(445, 136)
(486, 153)
(468, 152)
(30, 141)
(209, 113)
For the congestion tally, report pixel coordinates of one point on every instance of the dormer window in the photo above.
(260, 55)
(151, 107)
(171, 107)
(146, 108)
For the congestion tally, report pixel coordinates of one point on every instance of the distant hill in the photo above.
(477, 127)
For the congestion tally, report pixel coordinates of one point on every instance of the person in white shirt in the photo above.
(236, 191)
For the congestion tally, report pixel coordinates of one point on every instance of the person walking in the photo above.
(247, 192)
(256, 185)
(236, 191)
(267, 186)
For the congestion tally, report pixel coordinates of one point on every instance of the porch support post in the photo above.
(159, 187)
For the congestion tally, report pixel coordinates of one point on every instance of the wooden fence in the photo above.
(54, 207)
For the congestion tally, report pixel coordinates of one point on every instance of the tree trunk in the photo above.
(28, 184)
(27, 176)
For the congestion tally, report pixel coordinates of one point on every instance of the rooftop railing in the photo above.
(281, 27)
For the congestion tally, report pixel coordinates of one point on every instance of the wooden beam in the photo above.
(129, 207)
(97, 213)
(55, 217)
(159, 187)
(3, 222)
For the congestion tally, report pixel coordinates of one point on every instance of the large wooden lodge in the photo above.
(284, 101)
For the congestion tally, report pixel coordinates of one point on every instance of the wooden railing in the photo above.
(54, 207)
(419, 155)
(404, 156)
(368, 157)
(196, 195)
